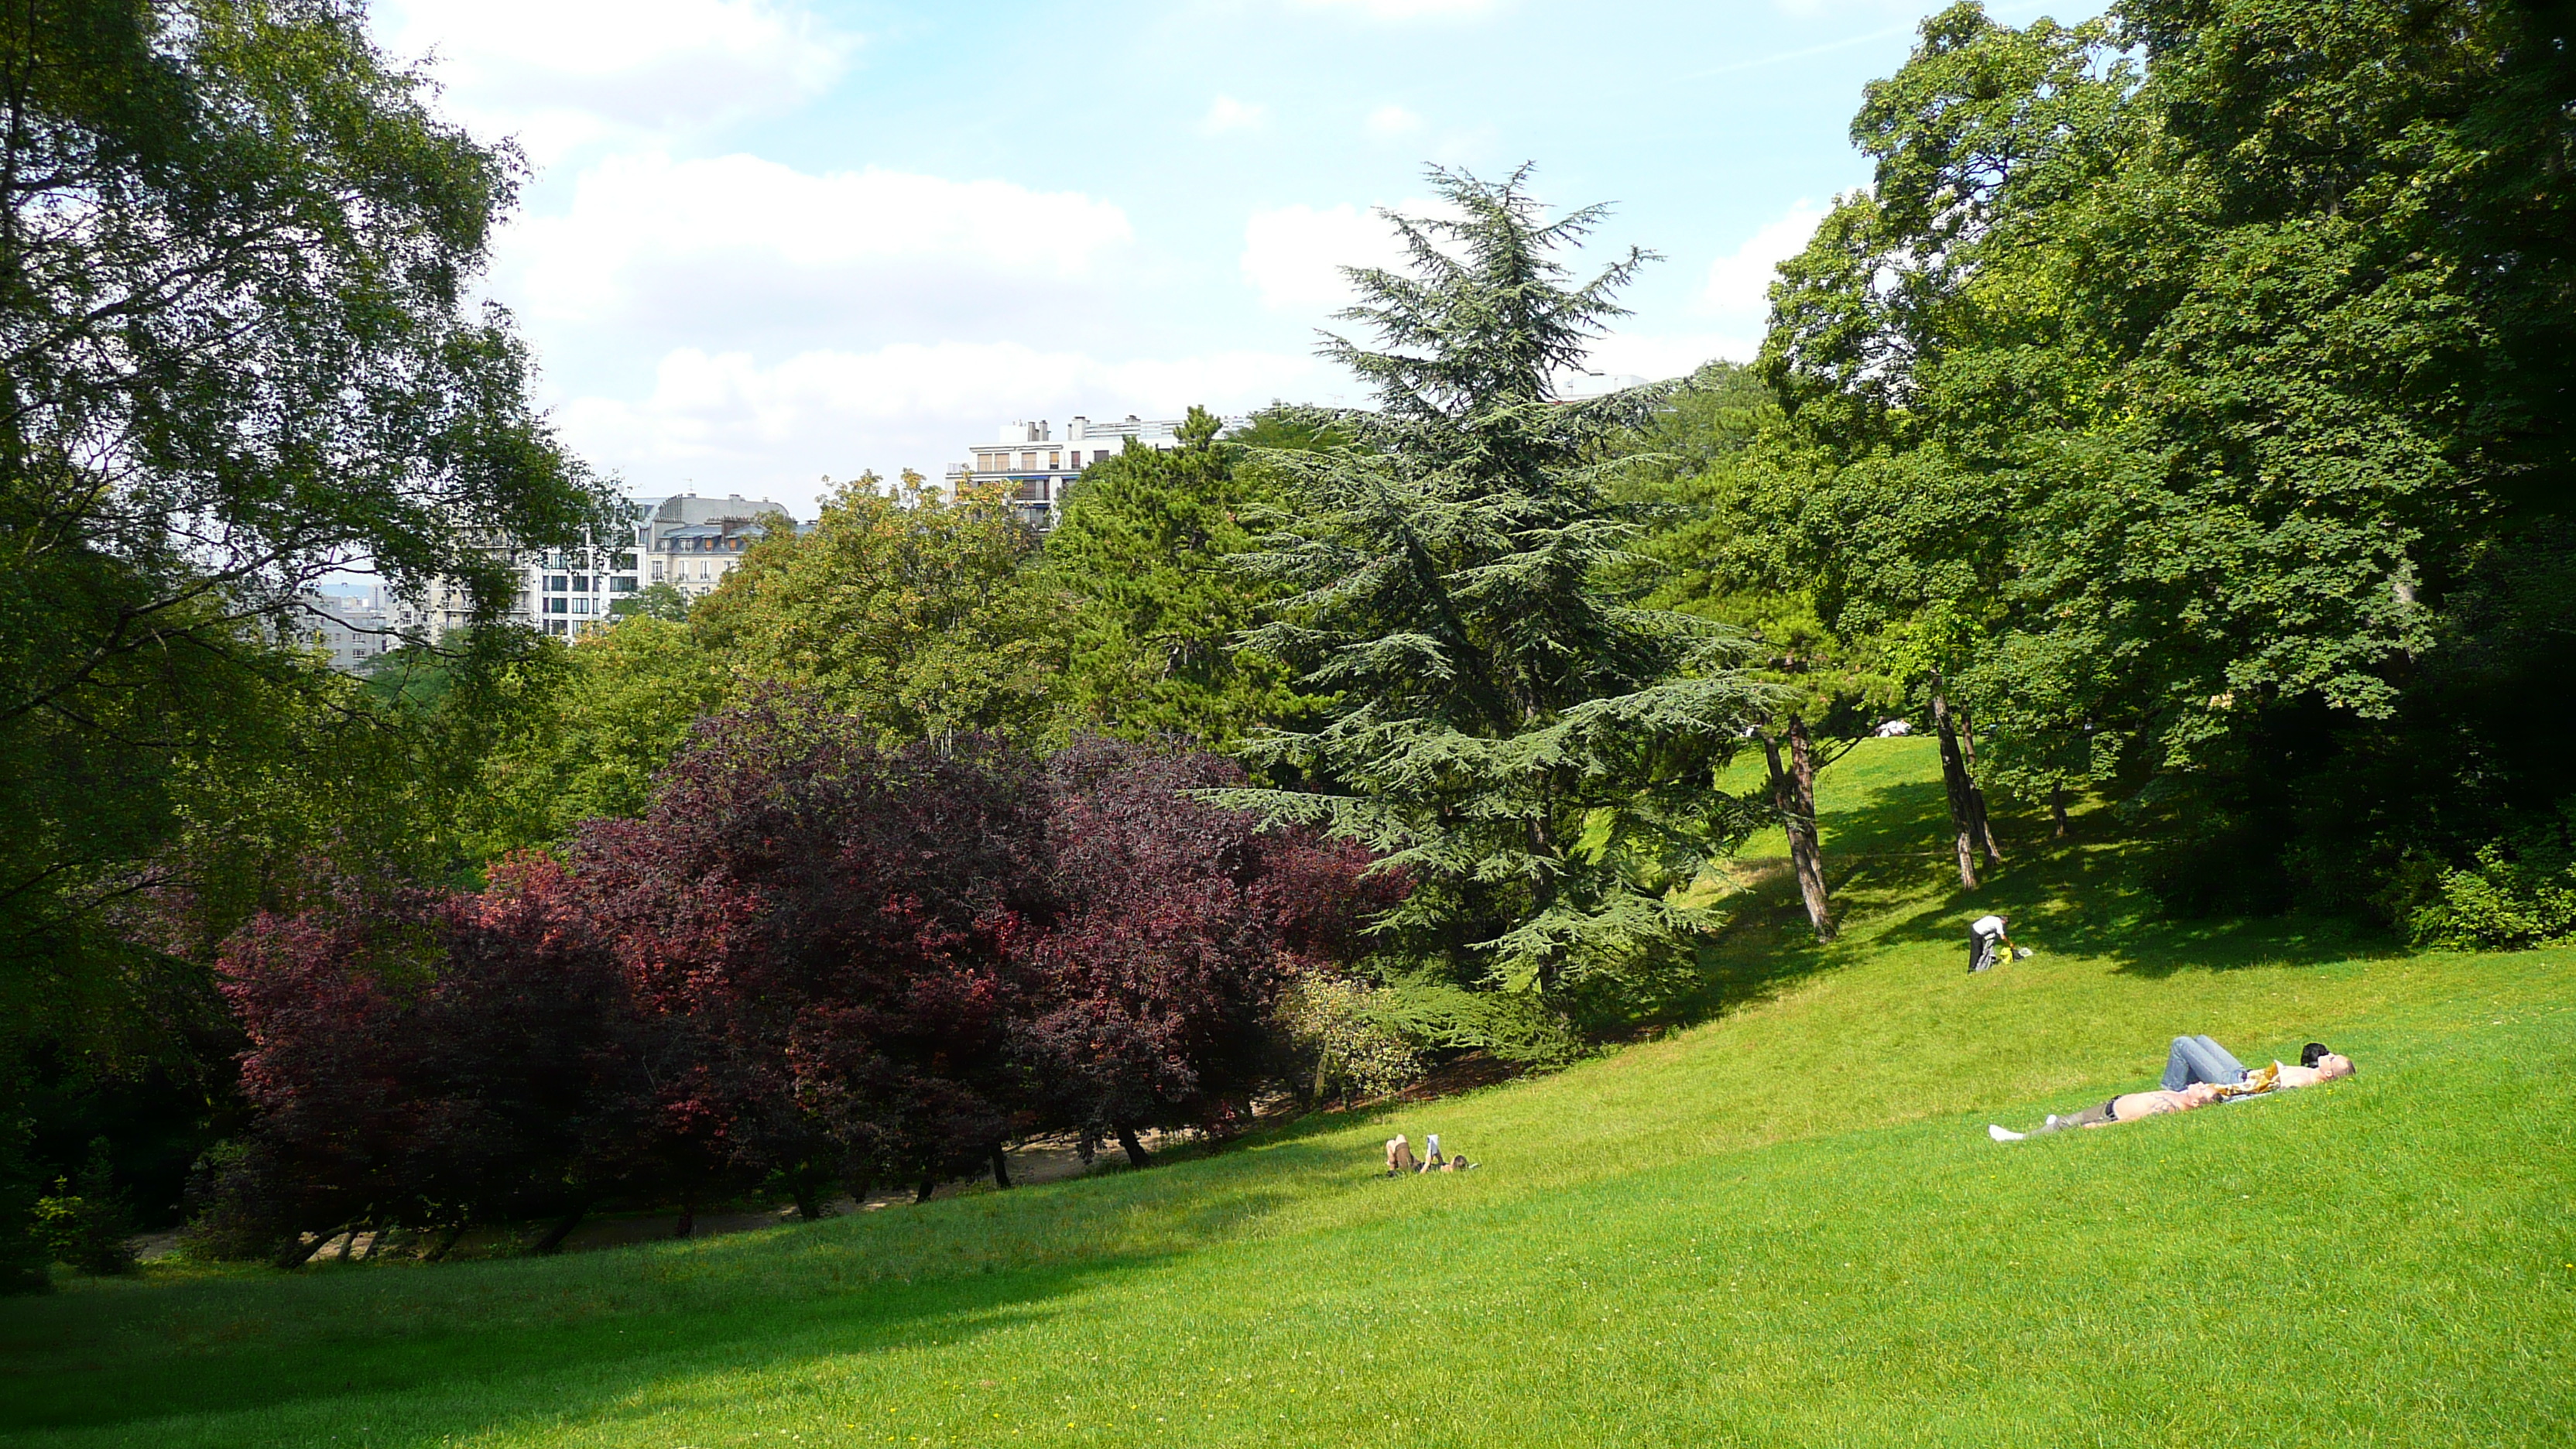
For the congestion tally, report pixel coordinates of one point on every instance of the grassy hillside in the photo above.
(1783, 1226)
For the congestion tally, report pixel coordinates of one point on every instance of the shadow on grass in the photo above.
(551, 1369)
(2082, 897)
(498, 1341)
(1890, 859)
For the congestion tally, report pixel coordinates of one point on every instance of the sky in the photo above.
(768, 243)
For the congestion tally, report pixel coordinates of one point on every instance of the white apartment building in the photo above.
(350, 628)
(1035, 465)
(684, 540)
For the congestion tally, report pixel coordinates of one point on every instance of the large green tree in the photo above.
(2190, 386)
(238, 348)
(1146, 549)
(920, 614)
(1512, 728)
(615, 709)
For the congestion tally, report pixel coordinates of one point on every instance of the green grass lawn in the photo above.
(1782, 1226)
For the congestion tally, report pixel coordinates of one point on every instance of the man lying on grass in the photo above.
(2198, 1072)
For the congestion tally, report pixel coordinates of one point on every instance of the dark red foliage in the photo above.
(811, 958)
(828, 917)
(421, 1061)
(1176, 924)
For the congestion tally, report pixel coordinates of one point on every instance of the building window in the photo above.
(557, 583)
(621, 586)
(581, 606)
(657, 571)
(624, 561)
(1055, 460)
(1029, 461)
(555, 606)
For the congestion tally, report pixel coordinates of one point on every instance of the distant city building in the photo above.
(350, 628)
(683, 540)
(691, 543)
(1035, 465)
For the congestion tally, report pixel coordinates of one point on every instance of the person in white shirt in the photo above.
(1986, 942)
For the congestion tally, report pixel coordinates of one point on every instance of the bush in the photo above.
(84, 1223)
(1338, 1039)
(2519, 895)
(22, 1253)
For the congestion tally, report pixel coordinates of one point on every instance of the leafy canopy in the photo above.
(1511, 728)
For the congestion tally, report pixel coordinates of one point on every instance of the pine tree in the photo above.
(1513, 731)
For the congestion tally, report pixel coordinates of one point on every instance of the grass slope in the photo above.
(1782, 1227)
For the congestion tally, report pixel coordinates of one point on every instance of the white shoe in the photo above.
(2053, 1123)
(2003, 1134)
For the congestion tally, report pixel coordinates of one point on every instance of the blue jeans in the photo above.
(2198, 1059)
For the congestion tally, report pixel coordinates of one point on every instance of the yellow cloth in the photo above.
(2255, 1083)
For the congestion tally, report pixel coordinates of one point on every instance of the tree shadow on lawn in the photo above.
(475, 1346)
(557, 1371)
(2083, 898)
(1890, 860)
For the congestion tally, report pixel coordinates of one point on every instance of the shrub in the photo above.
(1331, 1028)
(84, 1222)
(2516, 896)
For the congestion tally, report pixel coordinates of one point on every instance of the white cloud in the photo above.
(1392, 122)
(1403, 9)
(1228, 114)
(1294, 256)
(1655, 358)
(736, 249)
(563, 73)
(1739, 283)
(726, 421)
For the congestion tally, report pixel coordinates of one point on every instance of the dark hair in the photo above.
(2308, 1054)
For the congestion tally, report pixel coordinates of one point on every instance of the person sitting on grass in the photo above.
(2198, 1059)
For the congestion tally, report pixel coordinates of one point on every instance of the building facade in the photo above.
(691, 543)
(349, 628)
(1034, 465)
(684, 540)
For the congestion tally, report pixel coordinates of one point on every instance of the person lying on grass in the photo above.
(2198, 1059)
(2316, 1064)
(1399, 1156)
(2128, 1107)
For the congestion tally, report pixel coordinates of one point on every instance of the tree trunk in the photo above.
(1793, 794)
(808, 1205)
(929, 1185)
(2057, 808)
(553, 1241)
(348, 1245)
(1954, 780)
(447, 1244)
(688, 1223)
(1976, 793)
(1001, 1167)
(375, 1242)
(1322, 1061)
(1136, 1155)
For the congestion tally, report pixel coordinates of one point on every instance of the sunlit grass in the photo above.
(1782, 1226)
